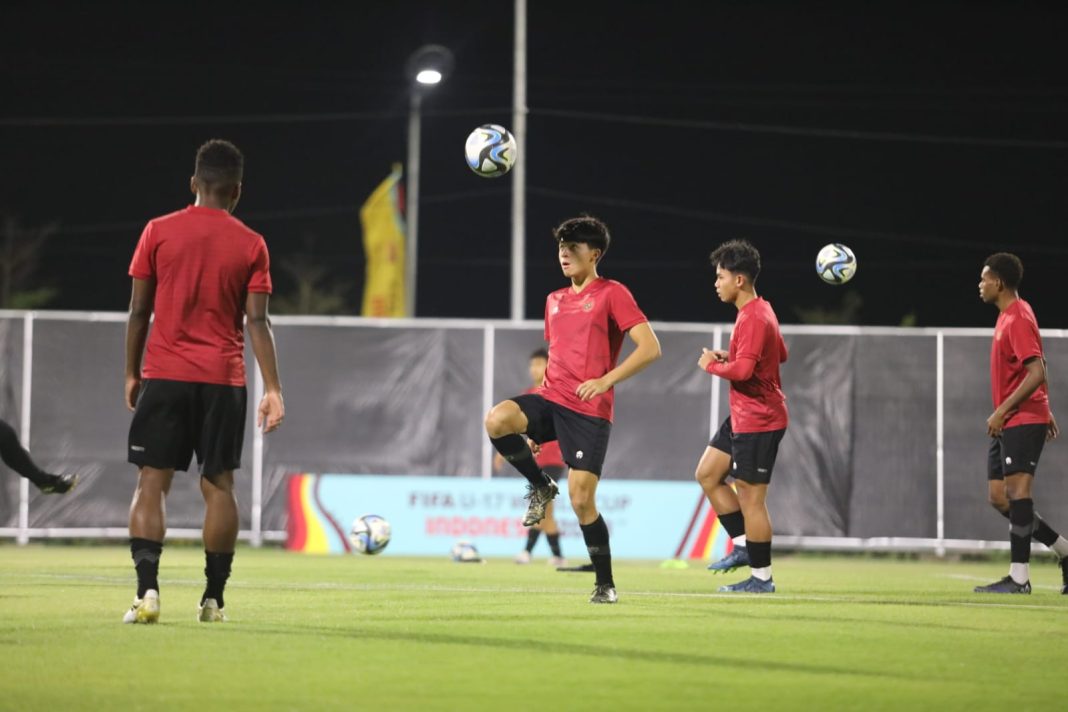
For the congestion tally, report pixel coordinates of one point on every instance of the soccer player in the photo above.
(1020, 424)
(584, 326)
(16, 457)
(747, 442)
(551, 461)
(202, 272)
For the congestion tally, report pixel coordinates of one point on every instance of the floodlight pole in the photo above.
(519, 170)
(411, 202)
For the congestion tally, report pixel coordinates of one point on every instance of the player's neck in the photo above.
(206, 201)
(1006, 300)
(744, 297)
(580, 282)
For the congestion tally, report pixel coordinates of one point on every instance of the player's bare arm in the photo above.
(271, 410)
(647, 350)
(141, 301)
(1036, 376)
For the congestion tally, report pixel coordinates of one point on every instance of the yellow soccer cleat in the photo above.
(209, 612)
(144, 610)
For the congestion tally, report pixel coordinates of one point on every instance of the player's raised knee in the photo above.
(501, 419)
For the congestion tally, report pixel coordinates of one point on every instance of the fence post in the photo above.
(713, 410)
(940, 428)
(24, 425)
(489, 333)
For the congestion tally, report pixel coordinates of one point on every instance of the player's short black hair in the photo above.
(1007, 267)
(220, 165)
(737, 256)
(585, 228)
(540, 353)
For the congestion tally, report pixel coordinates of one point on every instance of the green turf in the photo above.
(397, 633)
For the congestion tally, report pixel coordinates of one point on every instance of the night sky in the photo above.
(925, 136)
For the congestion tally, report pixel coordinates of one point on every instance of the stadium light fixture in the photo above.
(428, 77)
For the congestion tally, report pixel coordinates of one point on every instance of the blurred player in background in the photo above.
(747, 443)
(1020, 424)
(18, 459)
(584, 325)
(201, 271)
(551, 461)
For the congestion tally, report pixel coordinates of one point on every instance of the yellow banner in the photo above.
(383, 246)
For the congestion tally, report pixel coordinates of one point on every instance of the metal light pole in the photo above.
(426, 68)
(519, 170)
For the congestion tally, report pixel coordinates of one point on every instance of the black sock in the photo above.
(16, 457)
(532, 538)
(1043, 534)
(515, 450)
(146, 553)
(733, 522)
(1021, 527)
(554, 543)
(759, 553)
(596, 535)
(217, 569)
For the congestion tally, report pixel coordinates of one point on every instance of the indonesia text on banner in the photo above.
(383, 245)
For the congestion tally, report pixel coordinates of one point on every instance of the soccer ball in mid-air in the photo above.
(490, 150)
(370, 534)
(464, 552)
(836, 263)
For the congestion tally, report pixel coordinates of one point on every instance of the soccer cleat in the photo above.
(539, 499)
(738, 558)
(558, 562)
(57, 484)
(750, 585)
(582, 568)
(1005, 585)
(522, 557)
(209, 612)
(144, 610)
(604, 593)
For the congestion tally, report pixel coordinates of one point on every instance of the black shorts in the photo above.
(174, 419)
(1017, 450)
(752, 454)
(583, 438)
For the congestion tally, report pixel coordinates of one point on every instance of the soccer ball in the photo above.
(836, 263)
(490, 150)
(370, 534)
(465, 552)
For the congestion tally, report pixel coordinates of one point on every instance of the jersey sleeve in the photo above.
(1024, 339)
(750, 338)
(143, 264)
(260, 274)
(623, 309)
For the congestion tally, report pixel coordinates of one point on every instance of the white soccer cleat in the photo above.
(522, 557)
(209, 612)
(144, 610)
(557, 561)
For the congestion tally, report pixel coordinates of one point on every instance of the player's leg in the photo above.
(148, 526)
(18, 459)
(505, 424)
(711, 474)
(221, 414)
(582, 489)
(549, 526)
(1043, 533)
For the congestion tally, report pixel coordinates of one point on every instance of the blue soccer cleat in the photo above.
(738, 558)
(1005, 585)
(750, 585)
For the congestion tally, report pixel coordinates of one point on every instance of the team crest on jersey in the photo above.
(587, 306)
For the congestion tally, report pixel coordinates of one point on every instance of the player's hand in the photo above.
(1052, 431)
(535, 448)
(592, 388)
(271, 413)
(708, 356)
(995, 424)
(133, 388)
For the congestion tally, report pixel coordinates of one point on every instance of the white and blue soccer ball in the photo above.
(465, 552)
(490, 150)
(370, 534)
(836, 263)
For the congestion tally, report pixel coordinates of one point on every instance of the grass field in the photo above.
(397, 634)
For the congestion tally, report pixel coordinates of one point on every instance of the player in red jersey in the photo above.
(584, 324)
(1020, 424)
(746, 445)
(201, 271)
(551, 461)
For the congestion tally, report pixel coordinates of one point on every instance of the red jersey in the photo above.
(204, 262)
(757, 403)
(585, 333)
(549, 454)
(1016, 339)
